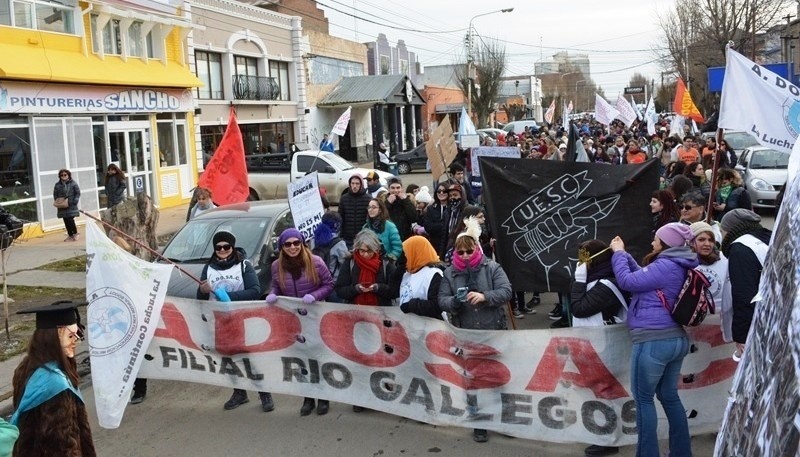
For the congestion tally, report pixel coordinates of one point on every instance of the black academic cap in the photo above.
(58, 314)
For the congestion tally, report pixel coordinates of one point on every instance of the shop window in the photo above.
(280, 72)
(39, 14)
(18, 193)
(209, 70)
(172, 143)
(109, 40)
(210, 137)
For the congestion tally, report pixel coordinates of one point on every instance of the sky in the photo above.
(618, 35)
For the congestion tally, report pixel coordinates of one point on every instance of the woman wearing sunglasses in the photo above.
(228, 276)
(49, 408)
(435, 220)
(299, 273)
(474, 290)
(66, 190)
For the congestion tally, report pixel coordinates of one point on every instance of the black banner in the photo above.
(540, 210)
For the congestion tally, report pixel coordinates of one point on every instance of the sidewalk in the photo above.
(26, 256)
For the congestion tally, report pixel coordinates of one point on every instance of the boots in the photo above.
(308, 406)
(238, 398)
(267, 404)
(322, 407)
(480, 435)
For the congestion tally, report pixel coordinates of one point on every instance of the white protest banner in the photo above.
(306, 204)
(341, 124)
(551, 111)
(566, 385)
(626, 112)
(759, 102)
(125, 295)
(603, 111)
(491, 151)
(676, 126)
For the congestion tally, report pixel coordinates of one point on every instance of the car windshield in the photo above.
(338, 162)
(740, 140)
(769, 158)
(489, 133)
(193, 242)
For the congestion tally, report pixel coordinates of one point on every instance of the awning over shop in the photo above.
(444, 108)
(38, 57)
(369, 90)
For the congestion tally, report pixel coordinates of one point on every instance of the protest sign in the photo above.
(306, 204)
(441, 148)
(491, 151)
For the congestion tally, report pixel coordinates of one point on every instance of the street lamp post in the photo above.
(469, 55)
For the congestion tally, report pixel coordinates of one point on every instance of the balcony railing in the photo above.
(255, 88)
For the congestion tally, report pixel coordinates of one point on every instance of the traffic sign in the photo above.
(138, 184)
(634, 90)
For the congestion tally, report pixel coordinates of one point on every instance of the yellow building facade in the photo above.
(87, 84)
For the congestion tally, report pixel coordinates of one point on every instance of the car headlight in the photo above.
(760, 184)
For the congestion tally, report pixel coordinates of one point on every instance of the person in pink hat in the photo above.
(659, 343)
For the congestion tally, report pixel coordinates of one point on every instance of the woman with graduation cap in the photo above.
(49, 409)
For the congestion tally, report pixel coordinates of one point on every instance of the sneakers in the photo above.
(138, 397)
(527, 310)
(597, 451)
(518, 314)
(555, 314)
(560, 323)
(533, 301)
(238, 398)
(322, 407)
(267, 404)
(75, 237)
(308, 406)
(480, 435)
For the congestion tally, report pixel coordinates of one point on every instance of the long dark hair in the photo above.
(120, 173)
(44, 347)
(669, 210)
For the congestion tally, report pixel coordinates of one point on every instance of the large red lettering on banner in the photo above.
(717, 370)
(229, 331)
(478, 371)
(592, 372)
(337, 330)
(175, 327)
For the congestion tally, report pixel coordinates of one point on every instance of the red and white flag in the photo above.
(548, 115)
(226, 173)
(341, 124)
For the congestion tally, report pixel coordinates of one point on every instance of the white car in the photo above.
(764, 172)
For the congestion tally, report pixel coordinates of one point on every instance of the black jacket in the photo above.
(252, 287)
(745, 275)
(348, 278)
(428, 307)
(403, 214)
(435, 222)
(115, 191)
(353, 209)
(598, 299)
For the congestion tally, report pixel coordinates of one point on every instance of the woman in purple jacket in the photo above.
(299, 273)
(659, 343)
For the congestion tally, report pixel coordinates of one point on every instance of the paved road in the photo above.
(181, 419)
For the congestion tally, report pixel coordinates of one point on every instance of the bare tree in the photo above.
(490, 62)
(695, 33)
(639, 80)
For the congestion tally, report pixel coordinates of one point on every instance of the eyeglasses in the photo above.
(363, 251)
(222, 247)
(373, 207)
(467, 252)
(292, 244)
(688, 207)
(63, 174)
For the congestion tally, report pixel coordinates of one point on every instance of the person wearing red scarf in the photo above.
(364, 277)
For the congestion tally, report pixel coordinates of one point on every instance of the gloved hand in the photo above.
(404, 307)
(271, 298)
(309, 299)
(418, 229)
(222, 295)
(581, 272)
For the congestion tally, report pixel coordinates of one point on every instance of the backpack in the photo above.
(694, 300)
(324, 252)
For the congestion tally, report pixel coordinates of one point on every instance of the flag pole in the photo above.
(712, 192)
(139, 243)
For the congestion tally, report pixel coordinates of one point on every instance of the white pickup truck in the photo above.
(268, 181)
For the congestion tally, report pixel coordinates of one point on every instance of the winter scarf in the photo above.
(367, 275)
(744, 228)
(599, 271)
(474, 261)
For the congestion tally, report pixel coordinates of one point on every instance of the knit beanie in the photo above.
(290, 233)
(424, 195)
(675, 234)
(700, 227)
(333, 221)
(737, 216)
(224, 236)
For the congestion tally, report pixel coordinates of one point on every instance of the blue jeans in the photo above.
(655, 369)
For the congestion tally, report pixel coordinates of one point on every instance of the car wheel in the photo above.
(403, 168)
(253, 197)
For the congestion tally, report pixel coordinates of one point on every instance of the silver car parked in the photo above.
(764, 172)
